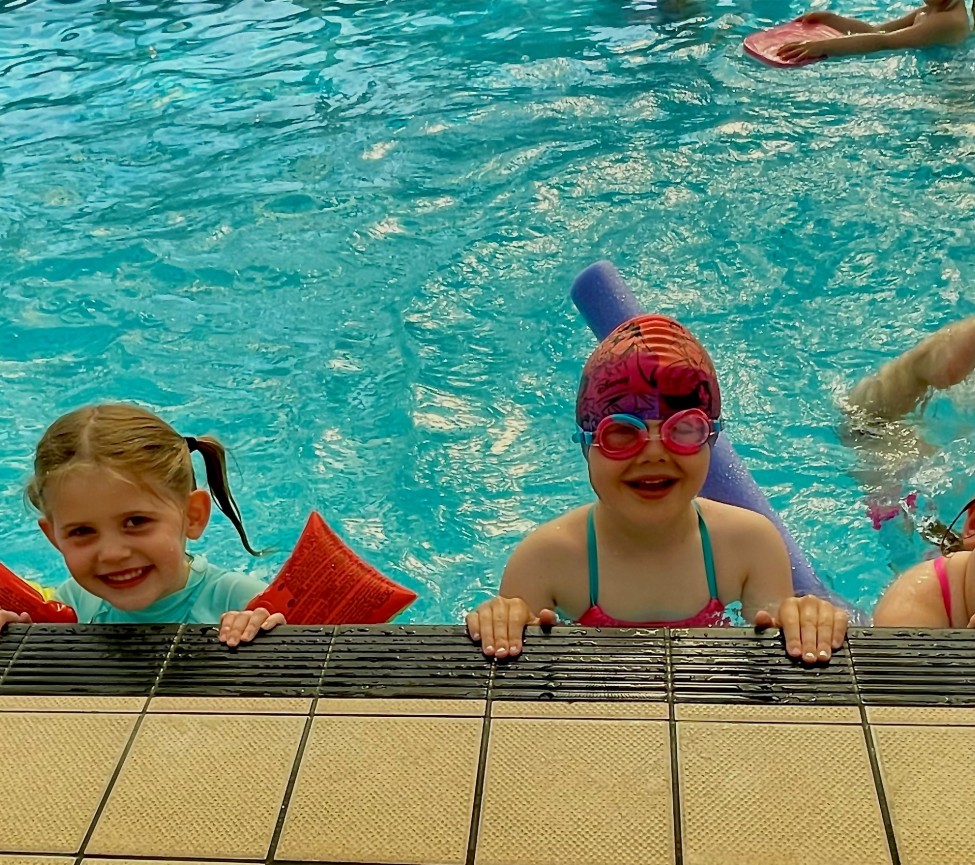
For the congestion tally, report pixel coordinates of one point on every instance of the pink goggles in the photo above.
(621, 436)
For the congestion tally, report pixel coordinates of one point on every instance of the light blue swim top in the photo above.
(209, 593)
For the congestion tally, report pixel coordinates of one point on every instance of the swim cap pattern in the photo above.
(650, 366)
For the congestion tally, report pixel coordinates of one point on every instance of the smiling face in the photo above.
(653, 368)
(654, 484)
(121, 541)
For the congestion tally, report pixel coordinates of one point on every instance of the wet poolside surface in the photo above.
(404, 745)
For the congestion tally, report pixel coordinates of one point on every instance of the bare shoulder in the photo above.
(751, 560)
(731, 521)
(546, 556)
(565, 535)
(914, 599)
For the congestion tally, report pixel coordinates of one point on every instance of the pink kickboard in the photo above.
(764, 44)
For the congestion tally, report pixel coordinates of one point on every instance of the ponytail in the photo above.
(215, 465)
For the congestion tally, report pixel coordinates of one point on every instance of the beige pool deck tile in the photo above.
(769, 794)
(232, 705)
(200, 786)
(68, 760)
(71, 704)
(647, 711)
(930, 788)
(384, 789)
(372, 706)
(585, 792)
(767, 714)
(939, 716)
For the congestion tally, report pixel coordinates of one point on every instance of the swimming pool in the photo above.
(341, 235)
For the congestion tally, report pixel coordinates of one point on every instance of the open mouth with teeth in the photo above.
(652, 487)
(127, 578)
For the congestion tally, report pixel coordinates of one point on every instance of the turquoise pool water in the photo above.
(341, 235)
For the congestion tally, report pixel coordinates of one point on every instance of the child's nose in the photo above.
(114, 549)
(654, 446)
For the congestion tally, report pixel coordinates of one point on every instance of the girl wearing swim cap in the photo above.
(650, 552)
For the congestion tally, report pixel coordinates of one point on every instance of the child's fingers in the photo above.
(841, 621)
(273, 621)
(232, 626)
(504, 628)
(789, 622)
(255, 619)
(481, 627)
(473, 622)
(971, 622)
(763, 620)
(548, 619)
(824, 631)
(8, 617)
(809, 628)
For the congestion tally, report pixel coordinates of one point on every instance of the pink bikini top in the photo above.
(941, 569)
(711, 615)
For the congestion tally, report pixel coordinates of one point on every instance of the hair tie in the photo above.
(191, 443)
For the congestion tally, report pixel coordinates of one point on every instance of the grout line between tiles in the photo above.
(124, 857)
(878, 782)
(125, 751)
(672, 736)
(103, 802)
(481, 769)
(299, 757)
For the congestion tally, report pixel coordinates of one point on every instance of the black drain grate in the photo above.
(876, 667)
(731, 666)
(9, 646)
(896, 667)
(421, 661)
(586, 664)
(122, 660)
(278, 664)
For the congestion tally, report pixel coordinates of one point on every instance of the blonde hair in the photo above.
(137, 444)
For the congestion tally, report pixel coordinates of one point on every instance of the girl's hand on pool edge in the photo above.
(812, 627)
(499, 625)
(10, 618)
(242, 626)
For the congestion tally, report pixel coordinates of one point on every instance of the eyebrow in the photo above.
(141, 512)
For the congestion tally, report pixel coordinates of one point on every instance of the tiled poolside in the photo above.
(403, 745)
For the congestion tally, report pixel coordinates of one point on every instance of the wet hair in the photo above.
(134, 443)
(948, 540)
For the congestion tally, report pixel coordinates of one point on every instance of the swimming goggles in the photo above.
(621, 436)
(951, 541)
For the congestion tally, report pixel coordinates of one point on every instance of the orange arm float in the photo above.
(323, 582)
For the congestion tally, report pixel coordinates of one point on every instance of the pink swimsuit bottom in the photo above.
(711, 615)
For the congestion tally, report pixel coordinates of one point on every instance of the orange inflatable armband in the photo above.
(19, 596)
(323, 582)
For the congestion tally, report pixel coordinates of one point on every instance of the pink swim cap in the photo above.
(650, 366)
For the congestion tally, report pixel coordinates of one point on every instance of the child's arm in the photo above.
(932, 30)
(812, 627)
(943, 359)
(841, 23)
(898, 23)
(241, 626)
(526, 597)
(913, 600)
